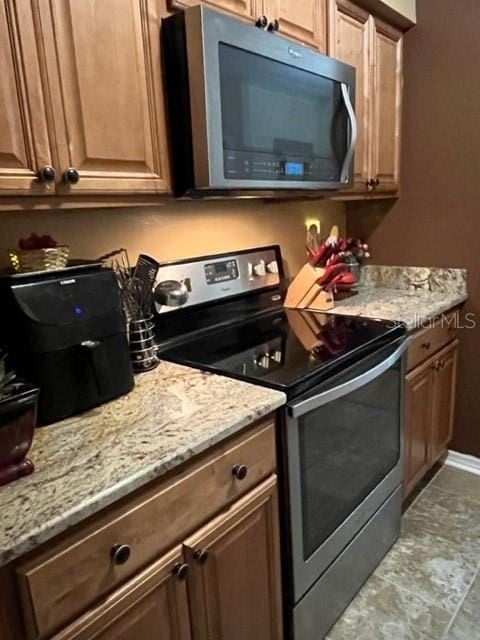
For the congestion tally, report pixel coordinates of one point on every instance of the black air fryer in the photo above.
(65, 331)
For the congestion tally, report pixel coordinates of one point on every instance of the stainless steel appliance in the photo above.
(340, 434)
(251, 110)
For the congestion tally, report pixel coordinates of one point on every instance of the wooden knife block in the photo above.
(304, 292)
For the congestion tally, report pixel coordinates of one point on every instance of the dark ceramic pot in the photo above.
(18, 415)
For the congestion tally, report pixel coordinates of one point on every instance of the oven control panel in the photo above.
(217, 277)
(222, 271)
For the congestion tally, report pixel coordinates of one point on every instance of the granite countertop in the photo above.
(89, 461)
(412, 295)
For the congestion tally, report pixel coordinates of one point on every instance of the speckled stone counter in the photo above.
(88, 462)
(412, 295)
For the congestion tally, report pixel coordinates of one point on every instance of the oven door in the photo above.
(344, 451)
(266, 113)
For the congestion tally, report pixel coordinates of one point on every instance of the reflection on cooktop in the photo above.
(283, 347)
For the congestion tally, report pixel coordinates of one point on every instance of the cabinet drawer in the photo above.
(70, 576)
(426, 342)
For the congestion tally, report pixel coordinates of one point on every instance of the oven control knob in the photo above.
(276, 355)
(250, 271)
(259, 269)
(272, 267)
(263, 361)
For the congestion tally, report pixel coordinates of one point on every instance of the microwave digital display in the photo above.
(293, 169)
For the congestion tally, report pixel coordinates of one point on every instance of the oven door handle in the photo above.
(353, 133)
(303, 407)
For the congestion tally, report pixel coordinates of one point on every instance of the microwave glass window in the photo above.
(346, 448)
(279, 122)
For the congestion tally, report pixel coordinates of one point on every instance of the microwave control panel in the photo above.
(242, 165)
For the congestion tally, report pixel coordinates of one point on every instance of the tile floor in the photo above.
(428, 586)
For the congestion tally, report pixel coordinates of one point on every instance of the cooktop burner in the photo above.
(287, 349)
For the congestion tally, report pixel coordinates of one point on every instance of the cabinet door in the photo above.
(301, 20)
(386, 60)
(235, 592)
(153, 606)
(349, 41)
(105, 76)
(24, 145)
(243, 8)
(445, 377)
(418, 421)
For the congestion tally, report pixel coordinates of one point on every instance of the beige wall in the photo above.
(407, 8)
(179, 229)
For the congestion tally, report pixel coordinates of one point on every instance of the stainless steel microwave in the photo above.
(250, 110)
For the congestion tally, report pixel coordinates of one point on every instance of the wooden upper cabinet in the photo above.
(387, 97)
(445, 378)
(105, 78)
(243, 8)
(374, 48)
(235, 592)
(303, 21)
(24, 146)
(350, 43)
(152, 606)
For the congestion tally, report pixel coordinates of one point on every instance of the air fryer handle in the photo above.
(99, 364)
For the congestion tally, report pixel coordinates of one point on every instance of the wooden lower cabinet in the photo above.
(234, 591)
(224, 584)
(445, 377)
(152, 606)
(430, 404)
(418, 421)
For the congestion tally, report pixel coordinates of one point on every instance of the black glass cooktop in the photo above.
(287, 349)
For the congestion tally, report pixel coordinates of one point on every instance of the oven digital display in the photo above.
(294, 169)
(221, 271)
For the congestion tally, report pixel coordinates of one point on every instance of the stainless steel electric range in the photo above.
(340, 433)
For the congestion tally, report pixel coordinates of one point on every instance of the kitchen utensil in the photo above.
(136, 291)
(171, 293)
(320, 255)
(146, 272)
(331, 272)
(343, 281)
(334, 235)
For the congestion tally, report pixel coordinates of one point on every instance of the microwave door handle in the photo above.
(353, 133)
(303, 407)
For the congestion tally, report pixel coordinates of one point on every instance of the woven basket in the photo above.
(24, 261)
